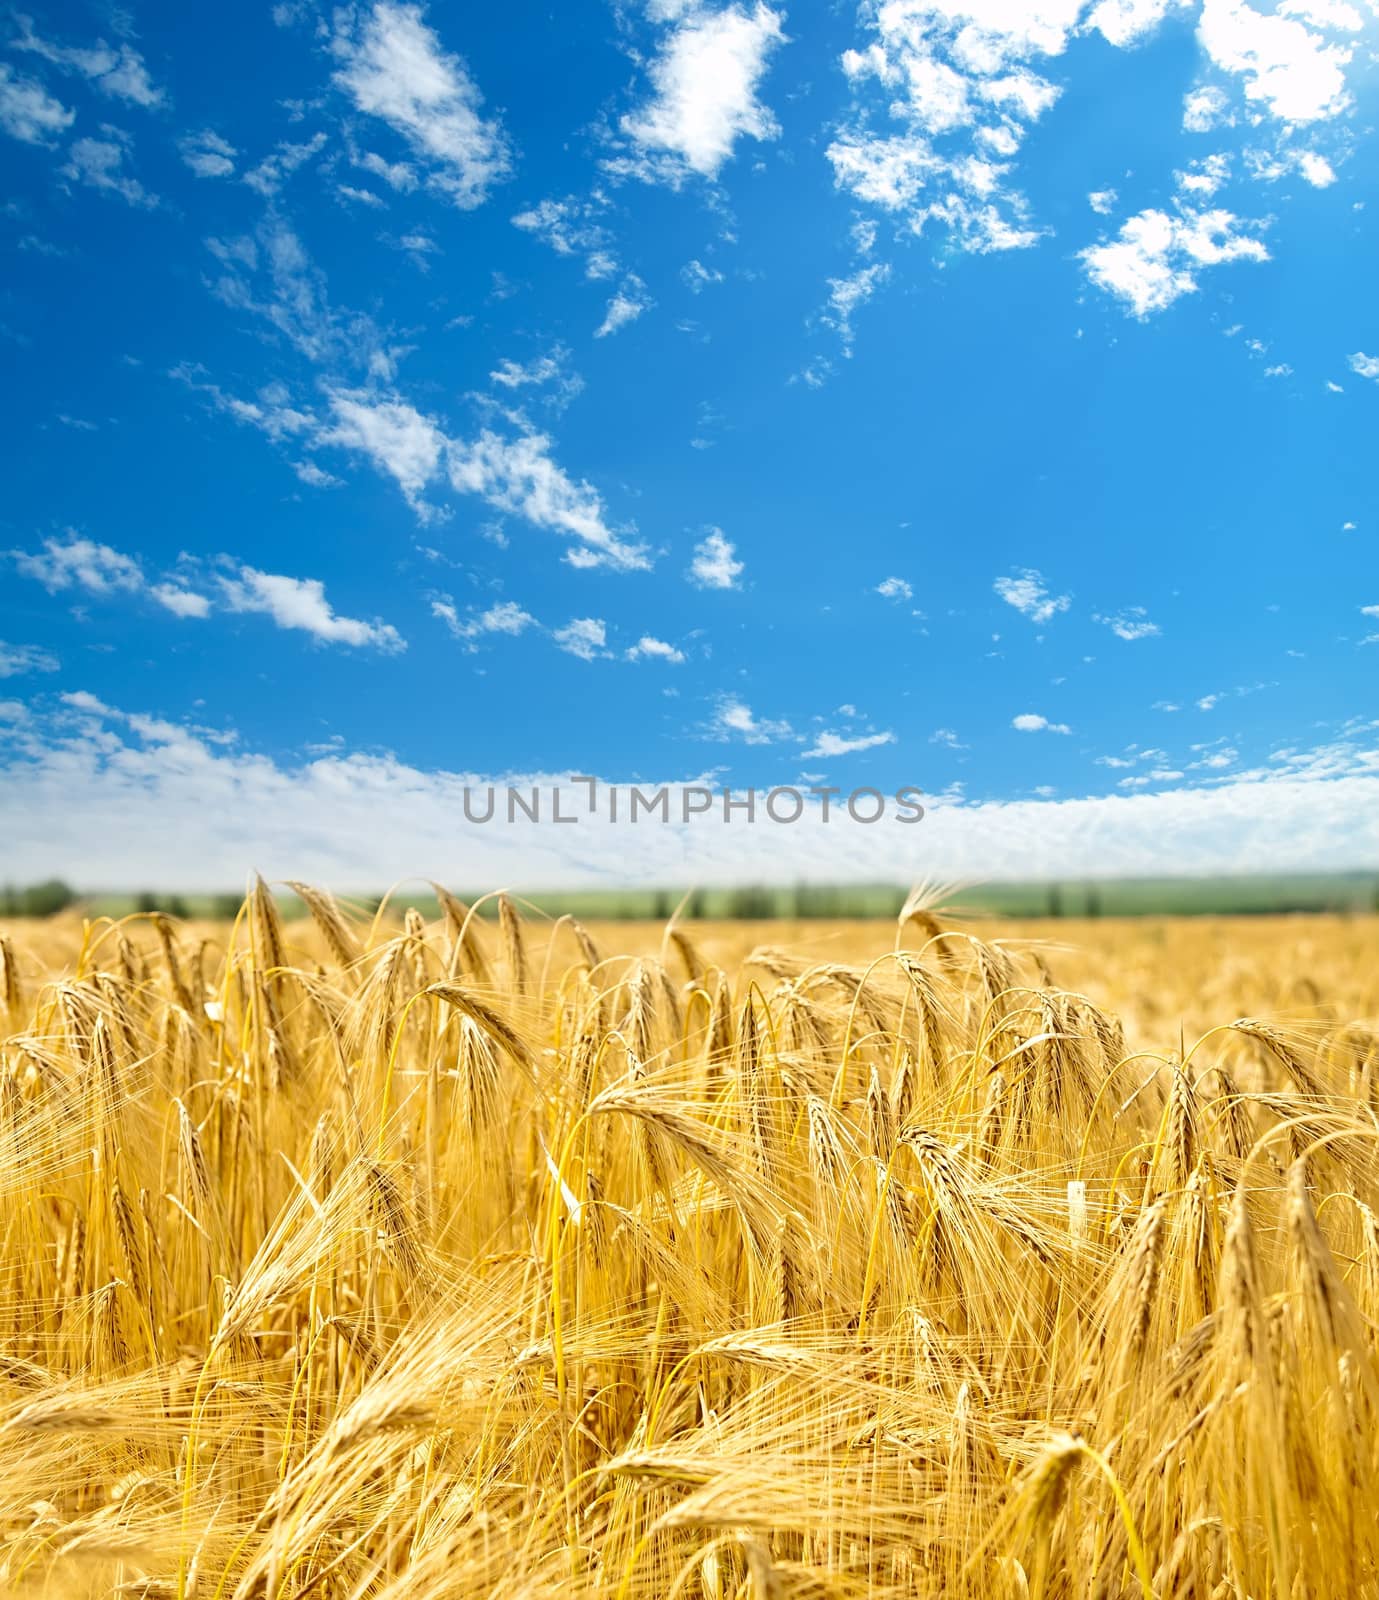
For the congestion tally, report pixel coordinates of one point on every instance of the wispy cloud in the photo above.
(1027, 592)
(85, 566)
(118, 71)
(629, 303)
(1130, 624)
(847, 294)
(513, 472)
(28, 112)
(696, 276)
(839, 744)
(18, 659)
(573, 226)
(208, 155)
(100, 164)
(394, 67)
(270, 174)
(734, 720)
(506, 618)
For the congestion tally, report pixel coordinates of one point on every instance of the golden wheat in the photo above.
(350, 1259)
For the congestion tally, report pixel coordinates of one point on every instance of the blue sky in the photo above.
(959, 393)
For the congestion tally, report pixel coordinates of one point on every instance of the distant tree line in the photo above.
(53, 895)
(758, 902)
(38, 900)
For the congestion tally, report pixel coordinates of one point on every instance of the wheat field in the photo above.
(377, 1257)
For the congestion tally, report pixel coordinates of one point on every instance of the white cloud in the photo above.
(272, 412)
(117, 72)
(398, 175)
(839, 744)
(715, 564)
(1125, 22)
(395, 436)
(514, 474)
(316, 476)
(99, 163)
(208, 155)
(1290, 71)
(696, 276)
(1365, 366)
(182, 602)
(1214, 760)
(846, 294)
(540, 372)
(517, 375)
(947, 738)
(80, 563)
(1205, 108)
(649, 648)
(815, 374)
(519, 475)
(626, 306)
(28, 112)
(887, 172)
(705, 80)
(418, 245)
(16, 659)
(895, 589)
(1281, 369)
(1102, 201)
(954, 80)
(1316, 169)
(1025, 591)
(584, 637)
(1204, 175)
(506, 617)
(966, 197)
(1156, 256)
(1034, 722)
(363, 197)
(292, 602)
(570, 227)
(300, 603)
(734, 720)
(1146, 780)
(84, 700)
(275, 169)
(394, 67)
(1132, 623)
(270, 274)
(317, 818)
